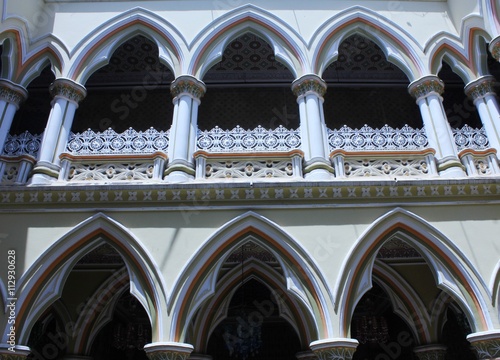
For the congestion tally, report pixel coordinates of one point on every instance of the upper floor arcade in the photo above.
(252, 114)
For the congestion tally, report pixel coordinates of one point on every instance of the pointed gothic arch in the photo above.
(452, 271)
(95, 50)
(43, 282)
(398, 46)
(285, 42)
(197, 281)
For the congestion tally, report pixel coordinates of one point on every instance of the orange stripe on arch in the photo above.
(211, 260)
(372, 25)
(236, 23)
(451, 264)
(111, 34)
(52, 266)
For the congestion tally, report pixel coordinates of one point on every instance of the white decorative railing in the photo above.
(385, 138)
(470, 138)
(241, 140)
(110, 142)
(22, 144)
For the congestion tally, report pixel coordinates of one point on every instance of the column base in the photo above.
(44, 173)
(179, 171)
(318, 169)
(451, 167)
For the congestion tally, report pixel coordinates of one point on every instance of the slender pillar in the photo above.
(11, 96)
(427, 92)
(66, 96)
(430, 352)
(482, 94)
(309, 90)
(168, 351)
(486, 344)
(187, 92)
(18, 352)
(338, 348)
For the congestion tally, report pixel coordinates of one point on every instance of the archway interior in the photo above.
(248, 333)
(131, 91)
(95, 316)
(366, 89)
(386, 330)
(248, 88)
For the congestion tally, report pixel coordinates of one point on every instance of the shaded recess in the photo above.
(364, 88)
(132, 91)
(459, 109)
(247, 88)
(33, 114)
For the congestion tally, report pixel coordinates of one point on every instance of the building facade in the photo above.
(267, 180)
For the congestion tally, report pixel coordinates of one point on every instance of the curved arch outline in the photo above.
(445, 260)
(211, 41)
(94, 51)
(396, 42)
(229, 285)
(197, 280)
(44, 280)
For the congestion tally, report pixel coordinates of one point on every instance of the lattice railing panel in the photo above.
(110, 171)
(385, 138)
(248, 169)
(22, 144)
(110, 142)
(386, 167)
(241, 140)
(470, 138)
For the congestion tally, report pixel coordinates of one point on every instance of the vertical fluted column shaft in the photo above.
(482, 94)
(11, 96)
(309, 90)
(427, 92)
(66, 94)
(187, 92)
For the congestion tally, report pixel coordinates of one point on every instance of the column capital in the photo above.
(486, 344)
(68, 89)
(168, 351)
(480, 87)
(495, 48)
(430, 352)
(426, 85)
(336, 348)
(18, 352)
(12, 93)
(309, 83)
(187, 84)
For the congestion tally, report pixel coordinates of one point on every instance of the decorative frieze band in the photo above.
(188, 84)
(426, 85)
(12, 93)
(68, 89)
(480, 87)
(309, 83)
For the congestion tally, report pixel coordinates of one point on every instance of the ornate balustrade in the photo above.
(470, 138)
(112, 168)
(248, 166)
(385, 138)
(241, 140)
(385, 164)
(19, 156)
(480, 162)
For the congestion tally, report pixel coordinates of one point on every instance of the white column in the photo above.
(309, 90)
(187, 92)
(427, 92)
(66, 96)
(482, 93)
(11, 96)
